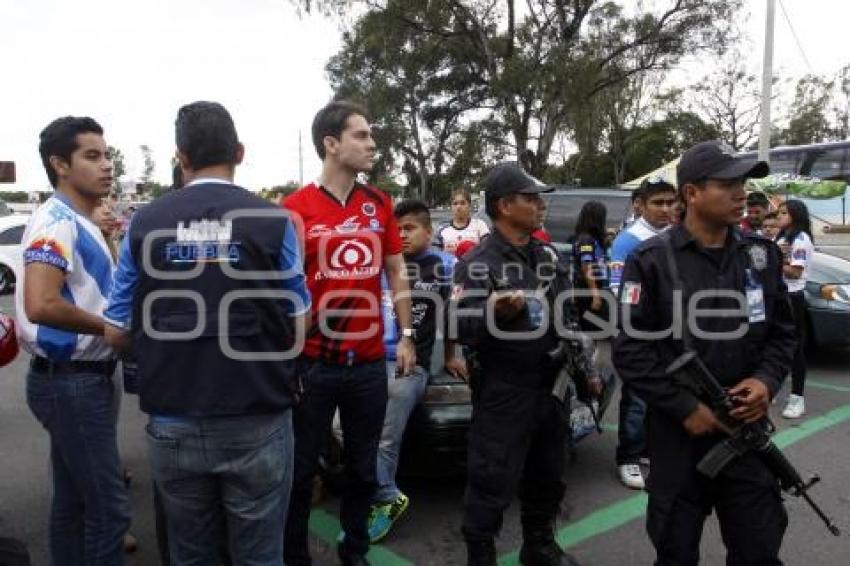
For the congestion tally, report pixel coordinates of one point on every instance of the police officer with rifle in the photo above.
(706, 339)
(504, 308)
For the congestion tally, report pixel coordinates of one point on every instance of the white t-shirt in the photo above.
(800, 255)
(58, 236)
(449, 236)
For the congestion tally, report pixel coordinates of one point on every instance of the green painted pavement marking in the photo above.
(810, 426)
(634, 507)
(825, 385)
(327, 527)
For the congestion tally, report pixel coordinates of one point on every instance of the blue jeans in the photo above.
(239, 466)
(631, 439)
(404, 394)
(90, 509)
(360, 392)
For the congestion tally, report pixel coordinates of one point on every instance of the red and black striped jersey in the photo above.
(344, 249)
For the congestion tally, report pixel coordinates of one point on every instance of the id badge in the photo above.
(755, 304)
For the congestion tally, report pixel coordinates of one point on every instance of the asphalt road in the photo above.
(601, 522)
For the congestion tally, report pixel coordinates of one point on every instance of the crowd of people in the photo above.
(244, 326)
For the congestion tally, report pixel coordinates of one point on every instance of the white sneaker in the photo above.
(631, 476)
(795, 408)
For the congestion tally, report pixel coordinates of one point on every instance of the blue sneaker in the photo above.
(384, 515)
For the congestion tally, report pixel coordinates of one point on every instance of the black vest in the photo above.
(195, 377)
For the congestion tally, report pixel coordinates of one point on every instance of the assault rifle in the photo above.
(577, 366)
(689, 370)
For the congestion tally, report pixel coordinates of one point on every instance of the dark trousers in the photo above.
(517, 440)
(360, 392)
(745, 496)
(631, 442)
(798, 366)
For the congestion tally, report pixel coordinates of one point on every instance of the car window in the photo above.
(562, 212)
(12, 236)
(825, 268)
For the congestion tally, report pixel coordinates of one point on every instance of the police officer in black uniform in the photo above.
(519, 429)
(749, 353)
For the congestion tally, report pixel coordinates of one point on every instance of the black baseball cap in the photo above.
(509, 178)
(715, 160)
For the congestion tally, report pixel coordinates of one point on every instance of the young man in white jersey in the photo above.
(67, 277)
(656, 200)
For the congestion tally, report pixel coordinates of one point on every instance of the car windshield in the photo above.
(826, 268)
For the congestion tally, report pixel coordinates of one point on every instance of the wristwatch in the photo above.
(408, 333)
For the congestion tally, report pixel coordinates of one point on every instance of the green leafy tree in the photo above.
(118, 168)
(535, 71)
(149, 164)
(15, 196)
(809, 115)
(417, 94)
(841, 104)
(730, 100)
(278, 191)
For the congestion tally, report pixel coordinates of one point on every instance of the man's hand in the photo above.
(405, 356)
(506, 304)
(703, 422)
(117, 338)
(752, 399)
(456, 367)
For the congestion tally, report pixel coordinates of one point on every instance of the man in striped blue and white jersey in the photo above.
(656, 199)
(67, 277)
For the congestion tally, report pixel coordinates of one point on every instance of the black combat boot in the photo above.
(540, 549)
(349, 558)
(480, 553)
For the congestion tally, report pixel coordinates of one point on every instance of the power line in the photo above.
(796, 39)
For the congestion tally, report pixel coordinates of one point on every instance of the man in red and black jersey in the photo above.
(349, 235)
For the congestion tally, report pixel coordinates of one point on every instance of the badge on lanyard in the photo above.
(755, 299)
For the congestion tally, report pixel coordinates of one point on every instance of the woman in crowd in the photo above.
(462, 227)
(589, 259)
(797, 244)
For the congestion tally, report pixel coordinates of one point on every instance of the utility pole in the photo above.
(300, 162)
(767, 83)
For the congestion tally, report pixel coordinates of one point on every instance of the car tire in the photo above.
(7, 280)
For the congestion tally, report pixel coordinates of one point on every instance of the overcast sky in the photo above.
(131, 64)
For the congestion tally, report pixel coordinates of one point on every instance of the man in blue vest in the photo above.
(210, 292)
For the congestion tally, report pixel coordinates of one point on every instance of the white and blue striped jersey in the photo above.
(57, 235)
(624, 244)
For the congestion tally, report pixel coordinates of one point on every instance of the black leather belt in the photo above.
(106, 367)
